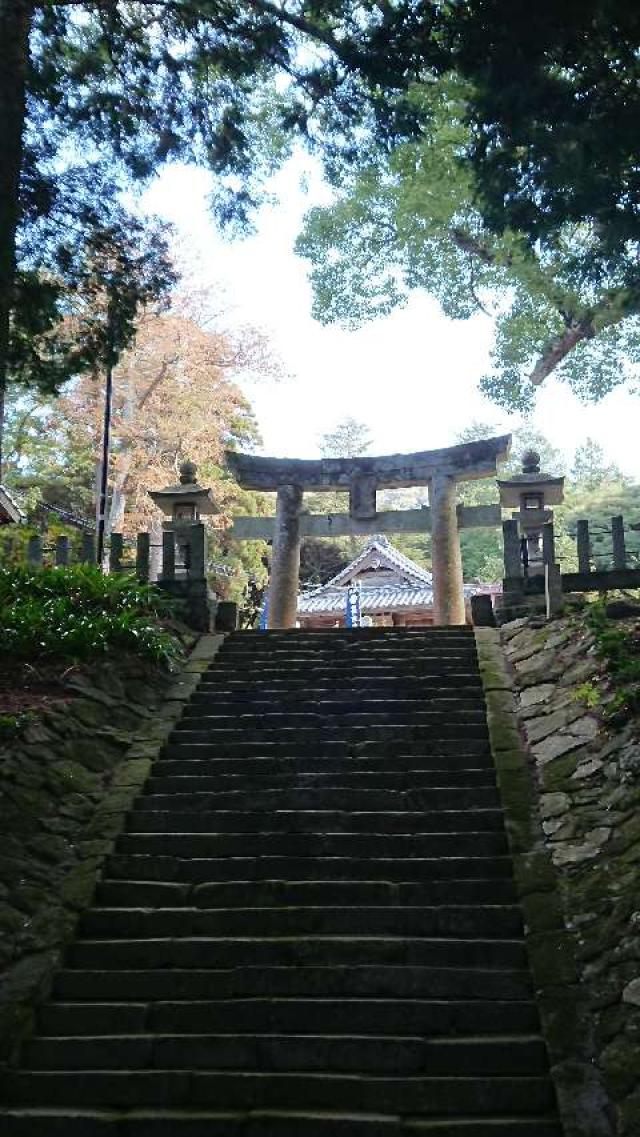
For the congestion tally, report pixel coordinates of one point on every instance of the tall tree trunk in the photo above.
(15, 22)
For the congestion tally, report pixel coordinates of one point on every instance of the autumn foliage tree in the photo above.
(174, 398)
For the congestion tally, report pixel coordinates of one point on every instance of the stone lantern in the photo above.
(183, 506)
(532, 493)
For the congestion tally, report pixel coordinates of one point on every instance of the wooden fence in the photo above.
(179, 555)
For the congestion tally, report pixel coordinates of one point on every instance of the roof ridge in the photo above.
(389, 553)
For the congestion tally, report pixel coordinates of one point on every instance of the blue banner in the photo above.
(264, 615)
(353, 614)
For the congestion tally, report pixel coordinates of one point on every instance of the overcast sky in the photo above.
(412, 377)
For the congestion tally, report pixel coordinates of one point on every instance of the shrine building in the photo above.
(394, 591)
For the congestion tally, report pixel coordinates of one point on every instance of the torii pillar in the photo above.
(285, 565)
(446, 557)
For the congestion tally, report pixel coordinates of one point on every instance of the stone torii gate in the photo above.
(440, 470)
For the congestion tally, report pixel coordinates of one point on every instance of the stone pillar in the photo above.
(142, 557)
(63, 551)
(34, 550)
(584, 546)
(512, 558)
(619, 546)
(446, 558)
(116, 550)
(168, 555)
(285, 565)
(548, 544)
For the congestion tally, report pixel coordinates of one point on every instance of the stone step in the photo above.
(172, 1047)
(323, 797)
(309, 928)
(304, 736)
(167, 813)
(233, 982)
(198, 869)
(262, 894)
(451, 754)
(370, 1087)
(204, 717)
(346, 641)
(339, 700)
(461, 645)
(378, 686)
(487, 921)
(219, 952)
(163, 1047)
(382, 655)
(342, 647)
(295, 845)
(461, 655)
(434, 670)
(214, 703)
(192, 1122)
(373, 773)
(363, 634)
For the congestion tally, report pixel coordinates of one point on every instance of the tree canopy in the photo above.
(93, 95)
(542, 157)
(413, 217)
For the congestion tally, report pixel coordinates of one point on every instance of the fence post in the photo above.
(168, 570)
(619, 546)
(197, 551)
(142, 557)
(116, 549)
(584, 546)
(512, 562)
(552, 589)
(87, 549)
(34, 551)
(62, 552)
(548, 544)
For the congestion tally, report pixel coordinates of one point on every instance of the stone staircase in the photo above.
(309, 927)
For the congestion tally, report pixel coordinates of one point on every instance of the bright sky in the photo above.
(412, 377)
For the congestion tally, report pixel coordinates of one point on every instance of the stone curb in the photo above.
(565, 1023)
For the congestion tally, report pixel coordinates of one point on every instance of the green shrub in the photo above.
(620, 649)
(77, 612)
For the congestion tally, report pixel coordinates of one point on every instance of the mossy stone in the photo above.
(534, 872)
(71, 777)
(79, 885)
(552, 959)
(543, 912)
(503, 732)
(620, 1061)
(11, 921)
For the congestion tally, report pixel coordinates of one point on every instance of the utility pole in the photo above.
(106, 447)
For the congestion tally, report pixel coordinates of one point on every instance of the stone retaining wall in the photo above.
(571, 789)
(66, 785)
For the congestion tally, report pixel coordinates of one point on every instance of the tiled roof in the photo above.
(10, 506)
(380, 549)
(383, 599)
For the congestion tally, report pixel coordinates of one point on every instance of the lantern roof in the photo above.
(187, 492)
(531, 480)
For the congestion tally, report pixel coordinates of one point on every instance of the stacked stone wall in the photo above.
(583, 828)
(66, 784)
